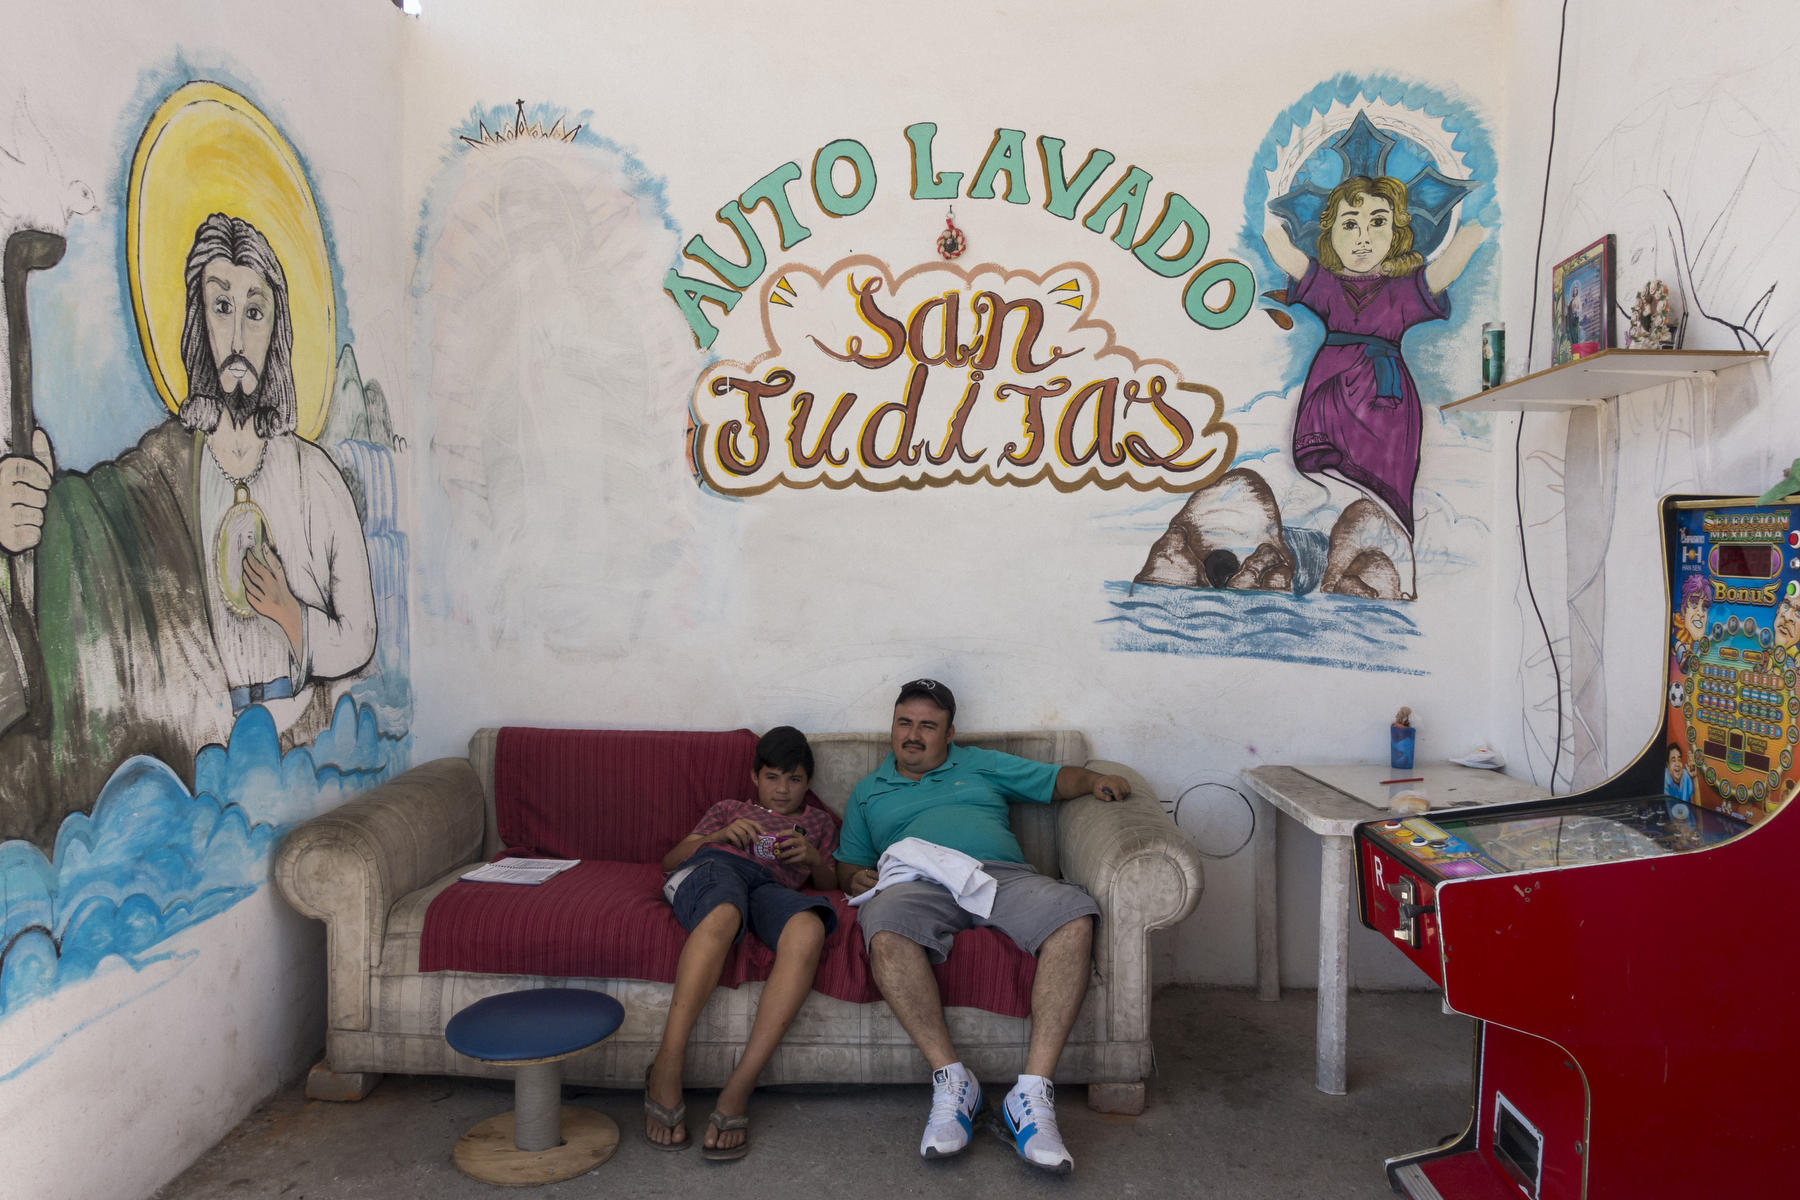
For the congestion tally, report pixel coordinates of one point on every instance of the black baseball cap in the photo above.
(931, 690)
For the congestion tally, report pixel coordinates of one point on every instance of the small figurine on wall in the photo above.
(1652, 321)
(953, 241)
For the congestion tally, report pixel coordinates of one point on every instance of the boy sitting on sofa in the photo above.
(741, 867)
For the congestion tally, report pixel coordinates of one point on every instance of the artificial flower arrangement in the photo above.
(1652, 325)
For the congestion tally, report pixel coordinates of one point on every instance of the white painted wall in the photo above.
(135, 1073)
(1658, 115)
(141, 1072)
(657, 605)
(615, 592)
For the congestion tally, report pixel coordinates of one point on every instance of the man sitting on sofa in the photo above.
(956, 797)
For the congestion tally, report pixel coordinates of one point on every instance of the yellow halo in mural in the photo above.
(209, 150)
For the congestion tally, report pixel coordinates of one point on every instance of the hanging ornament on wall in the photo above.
(953, 241)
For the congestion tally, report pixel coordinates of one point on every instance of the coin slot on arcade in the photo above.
(1518, 1145)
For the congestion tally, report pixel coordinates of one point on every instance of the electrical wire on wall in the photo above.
(1537, 259)
(1208, 803)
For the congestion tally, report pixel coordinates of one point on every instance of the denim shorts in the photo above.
(1028, 908)
(764, 904)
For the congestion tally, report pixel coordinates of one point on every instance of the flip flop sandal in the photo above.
(721, 1122)
(668, 1118)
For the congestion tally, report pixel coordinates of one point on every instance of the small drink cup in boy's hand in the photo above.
(793, 847)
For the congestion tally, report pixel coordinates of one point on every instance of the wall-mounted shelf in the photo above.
(1600, 377)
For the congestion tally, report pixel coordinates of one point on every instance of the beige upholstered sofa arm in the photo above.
(1142, 872)
(347, 867)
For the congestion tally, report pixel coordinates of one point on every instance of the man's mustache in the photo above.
(249, 369)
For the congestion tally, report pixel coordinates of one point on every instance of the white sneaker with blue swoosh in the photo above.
(1030, 1111)
(955, 1099)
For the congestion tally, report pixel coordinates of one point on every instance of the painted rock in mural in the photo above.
(1364, 546)
(1227, 535)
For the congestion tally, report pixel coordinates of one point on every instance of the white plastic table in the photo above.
(1328, 800)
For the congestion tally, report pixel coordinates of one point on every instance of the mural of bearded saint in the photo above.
(218, 564)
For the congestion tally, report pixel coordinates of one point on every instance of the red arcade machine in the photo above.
(1630, 952)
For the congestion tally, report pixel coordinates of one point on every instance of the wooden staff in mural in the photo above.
(1359, 417)
(220, 563)
(26, 477)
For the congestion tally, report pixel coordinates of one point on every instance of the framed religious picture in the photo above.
(1581, 303)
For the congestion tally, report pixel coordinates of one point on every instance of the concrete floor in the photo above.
(1232, 1113)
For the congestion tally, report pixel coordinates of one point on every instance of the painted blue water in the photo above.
(154, 858)
(1317, 629)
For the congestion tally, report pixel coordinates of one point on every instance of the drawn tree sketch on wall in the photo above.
(37, 201)
(191, 628)
(1699, 183)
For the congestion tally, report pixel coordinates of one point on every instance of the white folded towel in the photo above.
(952, 870)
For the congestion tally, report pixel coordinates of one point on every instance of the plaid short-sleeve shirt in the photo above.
(815, 823)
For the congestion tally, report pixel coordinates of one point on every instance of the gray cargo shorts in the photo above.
(1028, 908)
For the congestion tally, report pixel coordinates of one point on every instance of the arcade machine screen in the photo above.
(1733, 719)
(1581, 833)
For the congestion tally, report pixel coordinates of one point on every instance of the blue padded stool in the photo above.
(540, 1141)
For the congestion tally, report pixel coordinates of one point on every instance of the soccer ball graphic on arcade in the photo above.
(1674, 695)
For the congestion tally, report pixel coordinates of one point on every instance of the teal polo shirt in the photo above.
(961, 804)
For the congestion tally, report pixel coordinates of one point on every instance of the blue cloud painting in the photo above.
(153, 858)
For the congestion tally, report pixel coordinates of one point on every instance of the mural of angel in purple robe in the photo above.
(1382, 256)
(1359, 415)
(1372, 195)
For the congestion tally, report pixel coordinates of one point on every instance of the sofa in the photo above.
(409, 944)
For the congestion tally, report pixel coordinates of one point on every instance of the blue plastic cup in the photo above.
(1400, 746)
